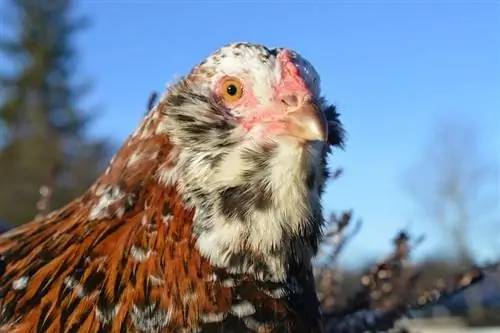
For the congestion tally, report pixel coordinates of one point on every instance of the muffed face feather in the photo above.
(257, 205)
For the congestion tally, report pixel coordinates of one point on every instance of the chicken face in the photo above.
(270, 93)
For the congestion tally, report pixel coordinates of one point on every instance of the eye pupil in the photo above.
(232, 90)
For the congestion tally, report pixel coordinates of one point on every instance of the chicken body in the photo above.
(206, 220)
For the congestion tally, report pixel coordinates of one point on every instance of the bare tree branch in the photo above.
(453, 180)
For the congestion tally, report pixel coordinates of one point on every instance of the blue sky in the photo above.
(393, 69)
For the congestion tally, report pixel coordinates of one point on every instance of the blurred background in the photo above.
(414, 208)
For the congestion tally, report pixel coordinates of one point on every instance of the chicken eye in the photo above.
(231, 89)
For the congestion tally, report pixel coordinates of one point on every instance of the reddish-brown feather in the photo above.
(67, 236)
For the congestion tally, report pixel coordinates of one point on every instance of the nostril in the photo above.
(290, 100)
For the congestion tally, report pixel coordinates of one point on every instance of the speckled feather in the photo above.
(145, 248)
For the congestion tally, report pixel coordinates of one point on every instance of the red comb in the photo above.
(291, 79)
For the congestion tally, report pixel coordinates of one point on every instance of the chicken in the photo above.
(206, 219)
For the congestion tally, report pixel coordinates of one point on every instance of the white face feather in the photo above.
(262, 76)
(263, 69)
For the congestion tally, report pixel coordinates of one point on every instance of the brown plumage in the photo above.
(206, 220)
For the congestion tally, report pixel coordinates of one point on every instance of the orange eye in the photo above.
(231, 89)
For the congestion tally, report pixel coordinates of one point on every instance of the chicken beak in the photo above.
(307, 123)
